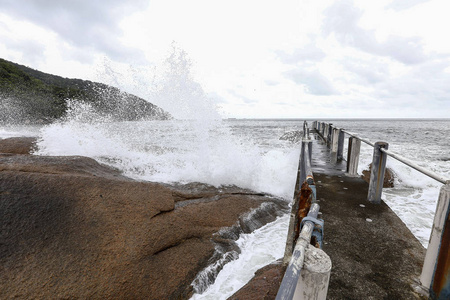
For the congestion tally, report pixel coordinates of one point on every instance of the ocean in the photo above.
(249, 154)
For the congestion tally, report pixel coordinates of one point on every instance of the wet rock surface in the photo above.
(73, 228)
(389, 177)
(264, 285)
(17, 145)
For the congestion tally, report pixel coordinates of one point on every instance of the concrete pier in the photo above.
(374, 255)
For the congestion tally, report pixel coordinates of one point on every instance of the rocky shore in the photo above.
(73, 228)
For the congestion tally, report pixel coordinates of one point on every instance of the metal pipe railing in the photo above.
(359, 138)
(415, 166)
(400, 158)
(290, 279)
(304, 227)
(435, 276)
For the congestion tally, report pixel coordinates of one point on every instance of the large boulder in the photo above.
(389, 177)
(73, 228)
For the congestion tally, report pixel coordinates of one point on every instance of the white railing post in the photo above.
(354, 146)
(435, 275)
(377, 172)
(334, 140)
(314, 276)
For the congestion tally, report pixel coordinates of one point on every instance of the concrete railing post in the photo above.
(329, 134)
(354, 146)
(314, 276)
(377, 172)
(435, 275)
(340, 149)
(334, 140)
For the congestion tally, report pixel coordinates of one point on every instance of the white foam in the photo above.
(176, 151)
(259, 248)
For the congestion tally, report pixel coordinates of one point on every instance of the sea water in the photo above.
(249, 154)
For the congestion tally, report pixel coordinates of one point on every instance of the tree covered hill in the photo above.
(28, 95)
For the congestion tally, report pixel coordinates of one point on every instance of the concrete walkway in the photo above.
(374, 255)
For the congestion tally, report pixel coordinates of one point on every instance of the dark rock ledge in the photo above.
(73, 228)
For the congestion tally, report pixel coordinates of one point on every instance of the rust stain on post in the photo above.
(441, 281)
(304, 204)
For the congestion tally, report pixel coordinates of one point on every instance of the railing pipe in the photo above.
(359, 138)
(416, 166)
(292, 285)
(304, 169)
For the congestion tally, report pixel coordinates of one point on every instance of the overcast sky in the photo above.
(253, 58)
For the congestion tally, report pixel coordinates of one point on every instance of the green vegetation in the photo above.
(28, 95)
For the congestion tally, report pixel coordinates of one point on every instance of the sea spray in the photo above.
(258, 248)
(176, 151)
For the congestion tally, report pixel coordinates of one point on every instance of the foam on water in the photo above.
(264, 245)
(414, 195)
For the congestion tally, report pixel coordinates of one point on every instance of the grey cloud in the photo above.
(341, 19)
(315, 83)
(429, 83)
(405, 4)
(32, 51)
(92, 25)
(308, 53)
(370, 72)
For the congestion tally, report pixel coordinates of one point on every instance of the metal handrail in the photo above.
(402, 159)
(290, 278)
(358, 137)
(413, 165)
(433, 279)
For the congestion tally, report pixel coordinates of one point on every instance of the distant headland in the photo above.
(31, 96)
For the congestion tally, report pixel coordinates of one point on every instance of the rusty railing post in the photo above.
(435, 275)
(340, 149)
(354, 146)
(377, 172)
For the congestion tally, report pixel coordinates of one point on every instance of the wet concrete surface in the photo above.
(374, 255)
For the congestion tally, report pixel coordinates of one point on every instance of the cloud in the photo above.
(82, 23)
(404, 4)
(314, 82)
(300, 55)
(31, 49)
(366, 71)
(341, 19)
(425, 86)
